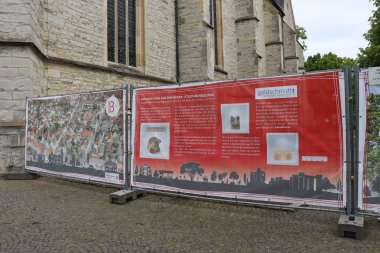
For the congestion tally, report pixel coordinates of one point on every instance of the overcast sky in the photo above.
(335, 26)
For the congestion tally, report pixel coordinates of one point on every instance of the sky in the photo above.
(335, 26)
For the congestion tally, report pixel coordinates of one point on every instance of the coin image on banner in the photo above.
(155, 140)
(282, 148)
(154, 145)
(112, 106)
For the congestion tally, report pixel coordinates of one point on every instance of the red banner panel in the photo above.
(269, 139)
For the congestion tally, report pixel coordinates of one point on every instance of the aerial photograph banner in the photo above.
(78, 136)
(277, 139)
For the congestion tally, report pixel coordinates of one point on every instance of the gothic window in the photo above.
(125, 32)
(216, 22)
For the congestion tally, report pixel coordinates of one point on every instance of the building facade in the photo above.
(51, 47)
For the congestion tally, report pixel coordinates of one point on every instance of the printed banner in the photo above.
(268, 139)
(78, 136)
(370, 139)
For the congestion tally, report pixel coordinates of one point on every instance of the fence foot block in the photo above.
(122, 197)
(351, 226)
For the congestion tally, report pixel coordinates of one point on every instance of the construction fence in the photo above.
(288, 140)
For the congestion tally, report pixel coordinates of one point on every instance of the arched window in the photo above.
(125, 22)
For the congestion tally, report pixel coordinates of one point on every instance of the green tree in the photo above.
(301, 35)
(370, 56)
(327, 61)
(374, 141)
(376, 184)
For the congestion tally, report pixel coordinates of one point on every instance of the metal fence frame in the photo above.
(351, 163)
(351, 78)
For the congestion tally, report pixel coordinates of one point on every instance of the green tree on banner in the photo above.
(370, 56)
(374, 142)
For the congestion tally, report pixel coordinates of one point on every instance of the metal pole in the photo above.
(349, 141)
(356, 144)
(126, 139)
(130, 111)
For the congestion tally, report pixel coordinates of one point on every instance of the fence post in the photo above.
(351, 225)
(356, 145)
(349, 140)
(352, 139)
(130, 126)
(126, 137)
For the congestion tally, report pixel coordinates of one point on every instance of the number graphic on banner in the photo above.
(112, 106)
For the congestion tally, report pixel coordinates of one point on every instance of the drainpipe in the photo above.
(177, 42)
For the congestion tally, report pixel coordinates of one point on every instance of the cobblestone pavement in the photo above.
(48, 215)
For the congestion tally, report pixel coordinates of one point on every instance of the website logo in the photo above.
(277, 92)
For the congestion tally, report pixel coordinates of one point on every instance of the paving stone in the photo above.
(49, 215)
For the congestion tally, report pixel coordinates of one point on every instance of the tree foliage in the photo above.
(192, 168)
(234, 175)
(221, 176)
(370, 56)
(136, 170)
(327, 61)
(327, 185)
(374, 141)
(339, 185)
(376, 184)
(214, 175)
(301, 35)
